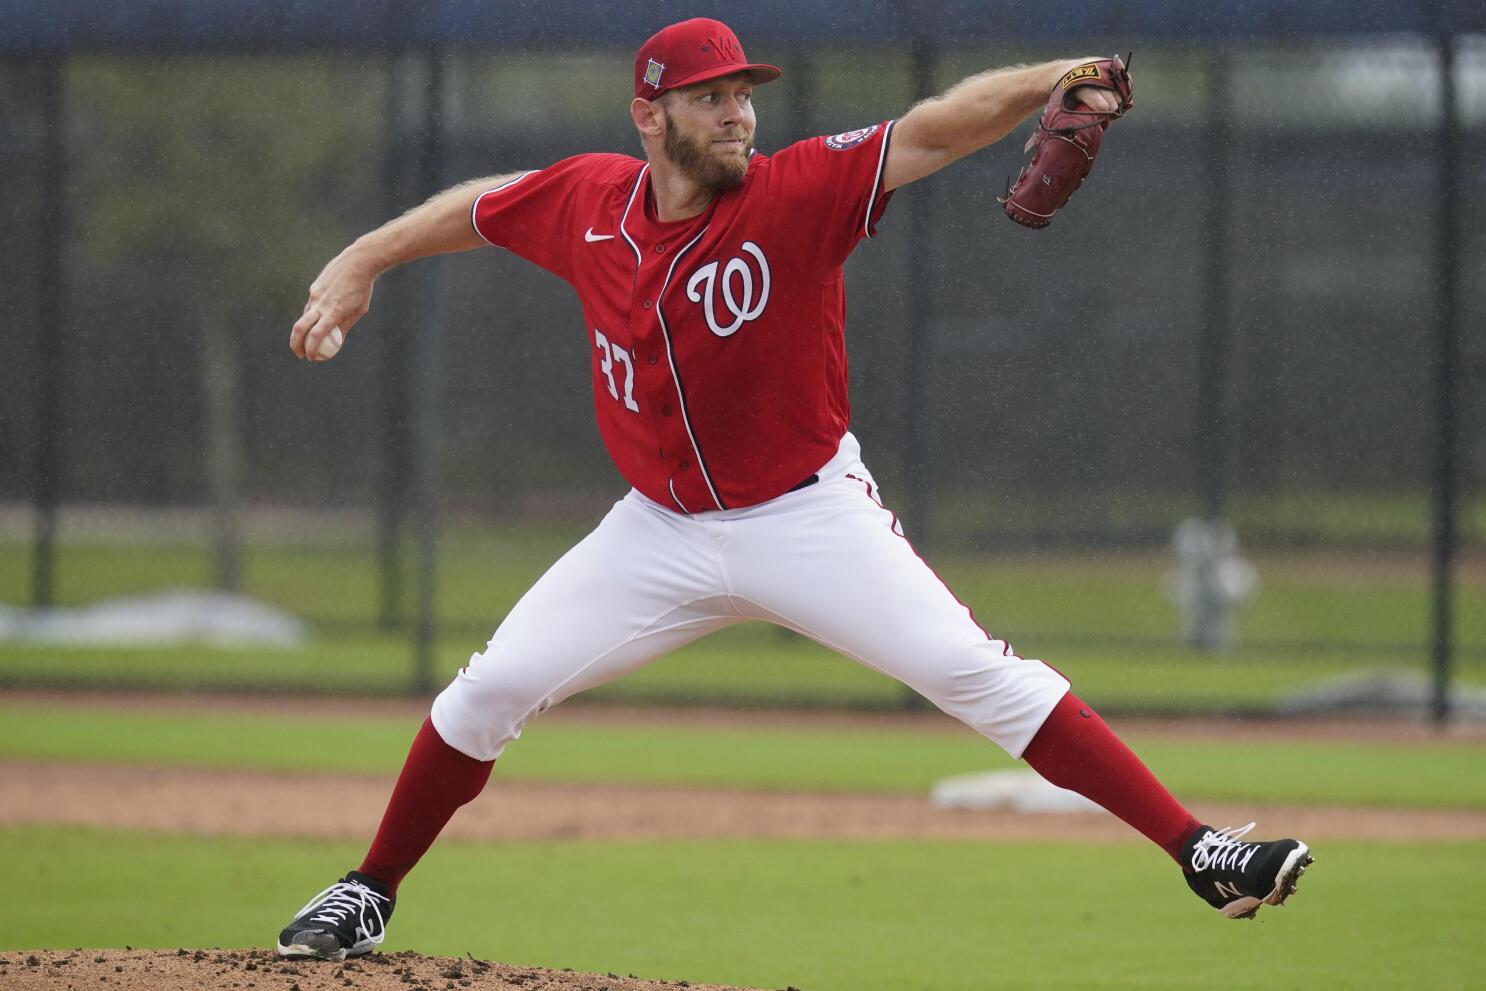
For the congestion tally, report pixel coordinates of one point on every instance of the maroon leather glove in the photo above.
(1065, 142)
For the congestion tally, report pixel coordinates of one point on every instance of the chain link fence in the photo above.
(1234, 319)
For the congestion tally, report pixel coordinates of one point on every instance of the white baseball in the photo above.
(331, 344)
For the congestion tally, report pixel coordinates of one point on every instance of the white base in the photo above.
(1015, 791)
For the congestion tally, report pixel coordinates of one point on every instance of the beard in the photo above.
(695, 159)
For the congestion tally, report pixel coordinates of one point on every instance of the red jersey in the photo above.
(719, 363)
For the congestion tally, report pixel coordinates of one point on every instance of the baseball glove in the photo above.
(1065, 141)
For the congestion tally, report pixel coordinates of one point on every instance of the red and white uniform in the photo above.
(719, 364)
(719, 376)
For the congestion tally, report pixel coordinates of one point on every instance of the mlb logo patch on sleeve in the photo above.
(850, 139)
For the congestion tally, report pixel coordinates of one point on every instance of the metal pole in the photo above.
(428, 376)
(391, 367)
(1446, 359)
(1212, 359)
(50, 284)
(918, 460)
(800, 121)
(799, 74)
(1214, 438)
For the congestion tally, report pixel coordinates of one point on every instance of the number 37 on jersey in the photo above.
(610, 355)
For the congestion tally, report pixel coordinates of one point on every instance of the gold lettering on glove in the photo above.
(1090, 71)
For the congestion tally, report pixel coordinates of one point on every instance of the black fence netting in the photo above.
(1035, 400)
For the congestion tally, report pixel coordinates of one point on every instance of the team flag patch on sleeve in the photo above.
(850, 139)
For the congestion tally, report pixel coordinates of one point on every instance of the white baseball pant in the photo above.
(828, 561)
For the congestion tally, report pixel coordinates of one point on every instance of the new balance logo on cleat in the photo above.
(1235, 877)
(347, 919)
(1228, 891)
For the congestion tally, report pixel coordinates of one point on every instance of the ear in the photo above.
(647, 117)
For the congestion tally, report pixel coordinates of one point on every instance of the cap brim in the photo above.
(757, 71)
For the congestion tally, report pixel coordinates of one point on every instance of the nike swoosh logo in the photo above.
(590, 236)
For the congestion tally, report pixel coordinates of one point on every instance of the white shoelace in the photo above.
(1219, 848)
(339, 900)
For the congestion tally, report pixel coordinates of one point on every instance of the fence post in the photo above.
(47, 453)
(428, 384)
(404, 108)
(800, 78)
(1446, 359)
(918, 462)
(1214, 438)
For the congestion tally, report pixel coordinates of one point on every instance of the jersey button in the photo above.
(665, 411)
(647, 304)
(653, 358)
(660, 249)
(683, 464)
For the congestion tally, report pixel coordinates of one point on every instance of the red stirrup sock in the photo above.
(435, 781)
(1077, 750)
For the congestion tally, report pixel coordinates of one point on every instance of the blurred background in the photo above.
(1212, 443)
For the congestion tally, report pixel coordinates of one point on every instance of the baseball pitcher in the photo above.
(714, 306)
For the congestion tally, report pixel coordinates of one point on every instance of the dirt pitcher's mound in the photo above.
(262, 970)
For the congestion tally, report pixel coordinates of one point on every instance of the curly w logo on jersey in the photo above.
(703, 287)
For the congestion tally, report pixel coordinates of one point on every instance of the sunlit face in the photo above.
(709, 130)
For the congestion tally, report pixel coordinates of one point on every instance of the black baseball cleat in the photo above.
(347, 919)
(1236, 878)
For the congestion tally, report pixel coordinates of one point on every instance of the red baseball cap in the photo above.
(691, 52)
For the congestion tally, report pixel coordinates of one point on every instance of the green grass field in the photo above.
(817, 916)
(747, 665)
(1379, 773)
(820, 916)
(853, 916)
(1305, 598)
(1102, 619)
